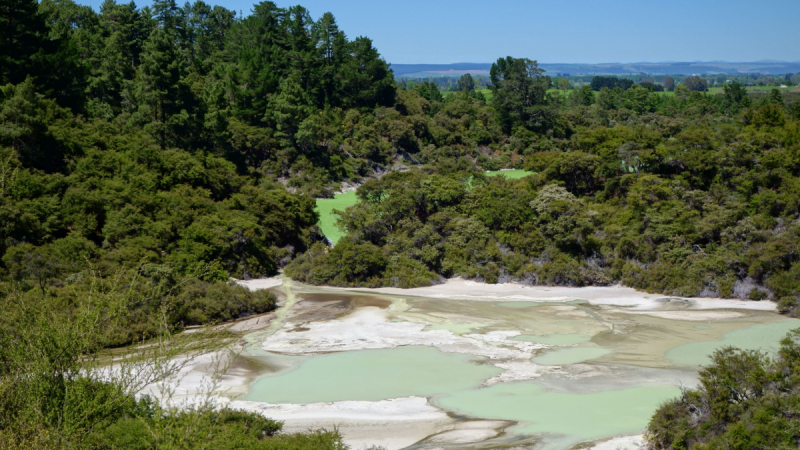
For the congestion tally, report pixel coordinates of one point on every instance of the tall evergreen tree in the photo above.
(23, 38)
(158, 90)
(466, 83)
(520, 93)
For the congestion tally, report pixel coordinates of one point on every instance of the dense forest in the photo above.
(187, 144)
(690, 193)
(179, 143)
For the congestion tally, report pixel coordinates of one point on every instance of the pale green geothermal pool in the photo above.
(755, 337)
(373, 375)
(561, 372)
(582, 416)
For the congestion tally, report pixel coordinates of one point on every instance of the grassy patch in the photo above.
(327, 220)
(510, 174)
(487, 93)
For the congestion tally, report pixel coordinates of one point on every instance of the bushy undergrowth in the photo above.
(58, 389)
(746, 400)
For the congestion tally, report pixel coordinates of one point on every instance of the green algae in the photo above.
(372, 375)
(554, 339)
(570, 356)
(327, 220)
(756, 337)
(575, 416)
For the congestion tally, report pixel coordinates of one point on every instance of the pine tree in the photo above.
(466, 83)
(157, 90)
(23, 37)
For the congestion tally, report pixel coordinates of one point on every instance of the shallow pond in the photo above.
(570, 356)
(373, 375)
(513, 174)
(764, 337)
(578, 416)
(563, 372)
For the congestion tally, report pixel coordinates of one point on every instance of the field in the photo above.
(752, 89)
(486, 93)
(714, 90)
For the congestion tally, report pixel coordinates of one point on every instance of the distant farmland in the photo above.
(666, 68)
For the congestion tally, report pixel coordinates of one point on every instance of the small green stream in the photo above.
(327, 220)
(573, 355)
(554, 339)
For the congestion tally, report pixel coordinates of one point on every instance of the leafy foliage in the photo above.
(57, 390)
(745, 400)
(686, 194)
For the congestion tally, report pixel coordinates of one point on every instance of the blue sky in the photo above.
(564, 31)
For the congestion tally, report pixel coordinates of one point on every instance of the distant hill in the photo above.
(660, 68)
(457, 69)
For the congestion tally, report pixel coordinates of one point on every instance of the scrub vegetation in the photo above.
(58, 392)
(745, 400)
(692, 194)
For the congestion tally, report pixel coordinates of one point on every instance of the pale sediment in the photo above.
(368, 328)
(457, 288)
(393, 424)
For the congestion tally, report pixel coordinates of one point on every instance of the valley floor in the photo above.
(472, 365)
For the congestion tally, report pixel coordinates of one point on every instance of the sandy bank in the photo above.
(368, 328)
(620, 443)
(457, 288)
(394, 424)
(260, 283)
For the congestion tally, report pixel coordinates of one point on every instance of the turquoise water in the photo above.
(373, 375)
(580, 416)
(554, 339)
(454, 381)
(763, 336)
(569, 356)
